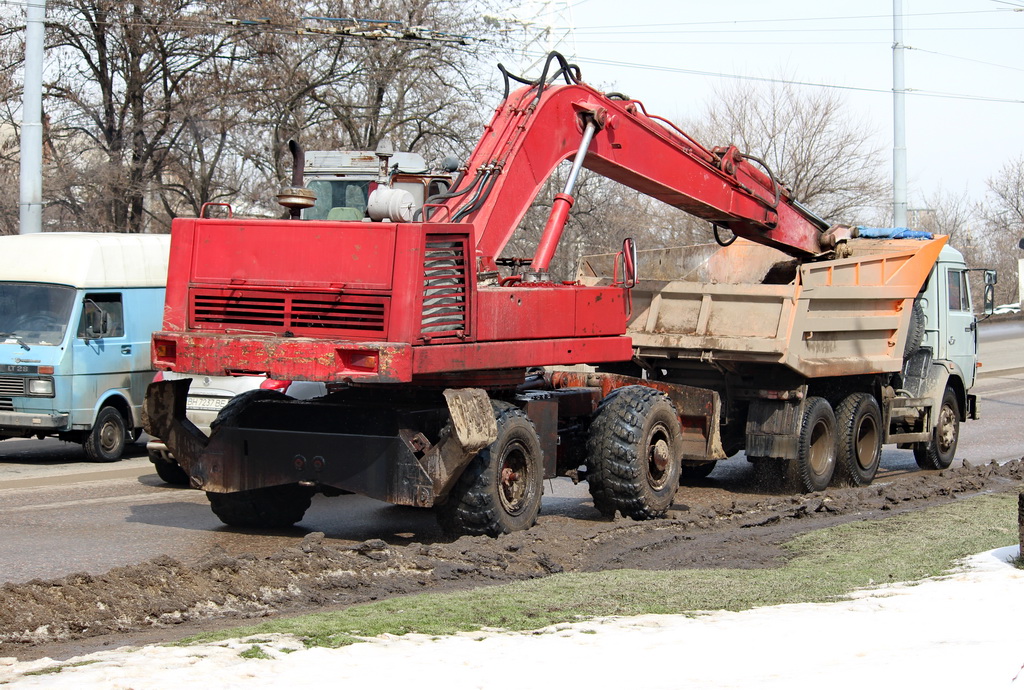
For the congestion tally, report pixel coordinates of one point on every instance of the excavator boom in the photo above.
(540, 125)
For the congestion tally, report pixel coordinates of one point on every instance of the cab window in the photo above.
(95, 305)
(959, 294)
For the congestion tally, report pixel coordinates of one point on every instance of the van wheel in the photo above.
(938, 453)
(815, 464)
(859, 445)
(269, 507)
(106, 440)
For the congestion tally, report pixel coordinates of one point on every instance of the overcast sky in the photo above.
(964, 67)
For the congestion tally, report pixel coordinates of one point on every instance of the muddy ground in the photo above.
(165, 599)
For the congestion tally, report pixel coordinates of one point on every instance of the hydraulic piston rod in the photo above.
(561, 205)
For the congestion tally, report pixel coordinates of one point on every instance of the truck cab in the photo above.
(951, 329)
(77, 311)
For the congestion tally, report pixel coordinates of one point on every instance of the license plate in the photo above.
(206, 403)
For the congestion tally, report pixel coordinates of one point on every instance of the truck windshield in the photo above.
(34, 314)
(338, 199)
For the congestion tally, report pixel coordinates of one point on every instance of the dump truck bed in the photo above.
(750, 303)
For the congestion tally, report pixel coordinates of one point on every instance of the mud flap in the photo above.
(473, 427)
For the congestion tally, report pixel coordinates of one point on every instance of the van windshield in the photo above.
(35, 314)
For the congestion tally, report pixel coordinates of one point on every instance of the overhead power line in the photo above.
(795, 82)
(779, 20)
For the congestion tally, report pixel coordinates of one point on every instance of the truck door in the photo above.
(961, 331)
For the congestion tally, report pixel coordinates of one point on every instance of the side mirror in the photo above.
(99, 322)
(991, 278)
(630, 274)
(989, 298)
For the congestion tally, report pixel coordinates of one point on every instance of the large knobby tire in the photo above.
(169, 470)
(633, 453)
(815, 465)
(500, 490)
(915, 333)
(106, 440)
(859, 439)
(269, 507)
(938, 453)
(229, 413)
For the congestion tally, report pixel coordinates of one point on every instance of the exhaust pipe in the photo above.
(296, 197)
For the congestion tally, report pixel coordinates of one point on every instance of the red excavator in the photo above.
(439, 352)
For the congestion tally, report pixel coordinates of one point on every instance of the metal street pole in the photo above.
(899, 116)
(31, 205)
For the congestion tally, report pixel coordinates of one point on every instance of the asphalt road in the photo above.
(60, 514)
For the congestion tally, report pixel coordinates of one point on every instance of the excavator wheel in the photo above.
(500, 490)
(859, 442)
(170, 471)
(633, 453)
(269, 507)
(694, 472)
(815, 464)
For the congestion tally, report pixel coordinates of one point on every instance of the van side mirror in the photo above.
(98, 321)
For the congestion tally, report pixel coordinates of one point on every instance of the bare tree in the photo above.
(1003, 227)
(809, 139)
(159, 107)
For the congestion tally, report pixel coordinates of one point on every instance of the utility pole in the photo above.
(899, 116)
(535, 28)
(31, 204)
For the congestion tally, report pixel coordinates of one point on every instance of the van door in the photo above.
(961, 332)
(103, 355)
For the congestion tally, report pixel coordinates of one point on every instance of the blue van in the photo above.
(77, 311)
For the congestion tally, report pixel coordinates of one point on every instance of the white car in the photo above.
(1007, 308)
(207, 395)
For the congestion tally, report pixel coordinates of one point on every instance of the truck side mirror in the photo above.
(991, 278)
(989, 298)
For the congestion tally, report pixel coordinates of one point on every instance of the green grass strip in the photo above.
(824, 565)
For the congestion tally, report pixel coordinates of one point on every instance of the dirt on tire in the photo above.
(165, 599)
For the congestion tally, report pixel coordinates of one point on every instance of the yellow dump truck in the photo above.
(812, 366)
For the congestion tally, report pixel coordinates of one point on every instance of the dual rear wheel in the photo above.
(842, 446)
(845, 446)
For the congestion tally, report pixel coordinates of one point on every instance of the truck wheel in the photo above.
(500, 490)
(105, 441)
(812, 470)
(168, 470)
(859, 443)
(938, 453)
(269, 507)
(633, 453)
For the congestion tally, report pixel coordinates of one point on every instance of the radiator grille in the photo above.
(444, 286)
(298, 313)
(6, 405)
(12, 385)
